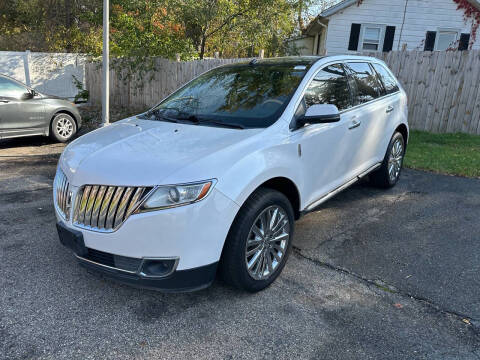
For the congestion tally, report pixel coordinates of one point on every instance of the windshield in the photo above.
(243, 96)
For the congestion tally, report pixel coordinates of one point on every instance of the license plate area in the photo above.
(72, 239)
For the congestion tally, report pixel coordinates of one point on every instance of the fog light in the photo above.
(158, 268)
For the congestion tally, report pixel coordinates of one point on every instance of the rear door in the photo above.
(391, 104)
(369, 114)
(18, 114)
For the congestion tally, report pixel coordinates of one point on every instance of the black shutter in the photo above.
(354, 36)
(389, 36)
(430, 40)
(464, 42)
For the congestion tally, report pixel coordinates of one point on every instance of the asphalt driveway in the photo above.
(375, 274)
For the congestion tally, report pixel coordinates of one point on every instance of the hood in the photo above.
(143, 152)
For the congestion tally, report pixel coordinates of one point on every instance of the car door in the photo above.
(20, 111)
(325, 148)
(368, 116)
(391, 108)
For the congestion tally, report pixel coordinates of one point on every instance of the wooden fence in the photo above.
(443, 87)
(147, 89)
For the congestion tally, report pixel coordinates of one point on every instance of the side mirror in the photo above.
(28, 95)
(319, 114)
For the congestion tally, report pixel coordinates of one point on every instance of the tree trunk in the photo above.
(202, 46)
(301, 25)
(68, 20)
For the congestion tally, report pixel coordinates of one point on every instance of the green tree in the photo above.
(217, 22)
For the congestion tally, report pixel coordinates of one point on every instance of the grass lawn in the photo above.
(456, 154)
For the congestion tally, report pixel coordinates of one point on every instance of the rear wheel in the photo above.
(259, 241)
(63, 127)
(389, 172)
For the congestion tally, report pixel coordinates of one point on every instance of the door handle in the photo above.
(354, 124)
(390, 109)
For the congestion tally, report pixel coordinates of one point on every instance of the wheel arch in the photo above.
(402, 129)
(288, 188)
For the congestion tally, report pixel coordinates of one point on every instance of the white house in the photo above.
(385, 25)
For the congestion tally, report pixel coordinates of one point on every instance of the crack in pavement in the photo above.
(380, 284)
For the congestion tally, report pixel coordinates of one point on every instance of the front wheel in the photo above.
(63, 127)
(389, 172)
(259, 242)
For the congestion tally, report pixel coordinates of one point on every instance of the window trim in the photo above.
(354, 107)
(381, 40)
(446, 30)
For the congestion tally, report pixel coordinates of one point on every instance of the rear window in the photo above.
(387, 79)
(365, 83)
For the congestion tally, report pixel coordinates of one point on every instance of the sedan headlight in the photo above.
(168, 196)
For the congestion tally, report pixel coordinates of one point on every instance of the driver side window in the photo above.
(11, 89)
(330, 86)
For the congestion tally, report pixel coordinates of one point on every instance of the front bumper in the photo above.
(193, 234)
(179, 281)
(134, 271)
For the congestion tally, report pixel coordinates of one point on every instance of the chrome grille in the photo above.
(61, 193)
(105, 208)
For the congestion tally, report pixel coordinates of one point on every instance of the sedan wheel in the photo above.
(63, 127)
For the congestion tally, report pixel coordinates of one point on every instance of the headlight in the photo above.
(168, 196)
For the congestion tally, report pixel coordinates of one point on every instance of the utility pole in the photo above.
(106, 66)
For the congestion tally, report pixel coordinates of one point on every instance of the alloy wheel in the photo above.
(267, 242)
(64, 127)
(395, 160)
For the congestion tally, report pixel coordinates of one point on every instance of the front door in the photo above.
(326, 149)
(20, 112)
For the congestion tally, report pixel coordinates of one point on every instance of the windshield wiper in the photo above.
(222, 124)
(201, 120)
(158, 116)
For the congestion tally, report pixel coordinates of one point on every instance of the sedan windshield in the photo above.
(240, 96)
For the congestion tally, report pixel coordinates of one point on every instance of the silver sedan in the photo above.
(26, 112)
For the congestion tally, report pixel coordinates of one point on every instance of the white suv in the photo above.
(212, 178)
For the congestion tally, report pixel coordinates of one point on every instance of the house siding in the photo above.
(420, 16)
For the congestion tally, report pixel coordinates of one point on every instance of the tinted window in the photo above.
(249, 96)
(365, 82)
(9, 88)
(330, 86)
(388, 81)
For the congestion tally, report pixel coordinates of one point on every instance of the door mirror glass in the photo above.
(321, 113)
(27, 96)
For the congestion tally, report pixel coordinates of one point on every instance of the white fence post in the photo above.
(26, 65)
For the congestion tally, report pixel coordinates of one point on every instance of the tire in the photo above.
(63, 127)
(389, 172)
(233, 264)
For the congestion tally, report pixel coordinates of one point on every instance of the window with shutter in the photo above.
(430, 40)
(354, 36)
(389, 36)
(464, 42)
